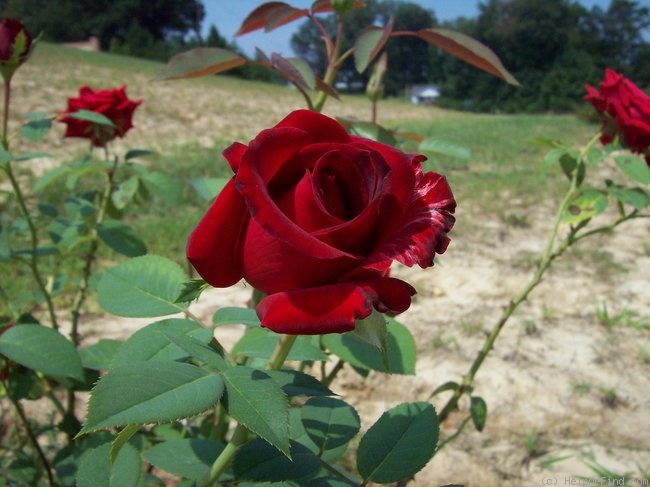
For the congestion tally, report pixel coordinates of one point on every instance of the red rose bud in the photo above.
(113, 104)
(314, 218)
(625, 111)
(15, 46)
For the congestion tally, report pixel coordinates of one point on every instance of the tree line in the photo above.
(553, 47)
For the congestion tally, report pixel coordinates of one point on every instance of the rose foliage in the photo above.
(111, 103)
(314, 217)
(625, 111)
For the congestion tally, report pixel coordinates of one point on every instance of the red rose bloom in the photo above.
(113, 104)
(625, 111)
(15, 45)
(314, 218)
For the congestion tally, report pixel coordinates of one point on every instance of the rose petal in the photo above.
(333, 308)
(320, 127)
(215, 246)
(271, 265)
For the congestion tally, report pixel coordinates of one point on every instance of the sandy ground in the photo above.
(558, 380)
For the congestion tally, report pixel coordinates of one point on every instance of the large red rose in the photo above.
(314, 218)
(15, 45)
(113, 104)
(625, 111)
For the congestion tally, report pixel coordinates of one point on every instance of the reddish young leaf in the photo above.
(296, 70)
(369, 44)
(326, 6)
(283, 16)
(469, 50)
(269, 16)
(324, 87)
(201, 61)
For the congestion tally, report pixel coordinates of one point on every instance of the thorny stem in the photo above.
(31, 435)
(89, 259)
(547, 258)
(23, 208)
(240, 435)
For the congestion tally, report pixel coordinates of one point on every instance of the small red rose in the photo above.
(625, 111)
(15, 46)
(112, 103)
(314, 218)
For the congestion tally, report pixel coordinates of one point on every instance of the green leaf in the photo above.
(432, 144)
(95, 468)
(122, 438)
(399, 444)
(295, 70)
(49, 177)
(373, 131)
(478, 410)
(372, 330)
(369, 43)
(191, 291)
(635, 197)
(295, 383)
(255, 400)
(121, 238)
(329, 422)
(569, 163)
(469, 50)
(447, 386)
(201, 61)
(552, 157)
(195, 348)
(260, 343)
(236, 316)
(137, 153)
(36, 129)
(42, 349)
(209, 188)
(258, 461)
(634, 167)
(588, 204)
(125, 192)
(93, 117)
(142, 287)
(400, 348)
(162, 186)
(188, 457)
(100, 355)
(151, 342)
(151, 392)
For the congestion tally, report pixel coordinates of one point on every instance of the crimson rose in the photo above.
(15, 46)
(625, 111)
(314, 218)
(113, 104)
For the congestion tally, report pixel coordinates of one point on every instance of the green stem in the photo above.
(33, 265)
(547, 258)
(32, 436)
(240, 435)
(332, 67)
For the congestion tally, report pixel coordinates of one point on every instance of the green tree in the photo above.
(138, 27)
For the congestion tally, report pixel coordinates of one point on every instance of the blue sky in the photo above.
(228, 15)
